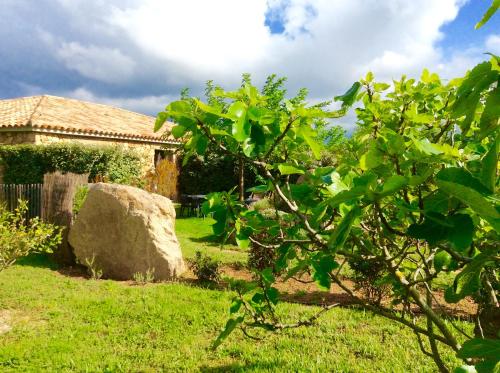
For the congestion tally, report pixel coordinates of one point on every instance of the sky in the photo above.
(139, 54)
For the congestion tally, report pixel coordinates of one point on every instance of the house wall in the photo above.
(13, 138)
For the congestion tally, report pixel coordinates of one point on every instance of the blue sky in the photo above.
(139, 54)
(460, 33)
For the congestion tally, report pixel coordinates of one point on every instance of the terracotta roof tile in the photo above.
(79, 117)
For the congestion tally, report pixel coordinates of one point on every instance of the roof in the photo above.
(74, 117)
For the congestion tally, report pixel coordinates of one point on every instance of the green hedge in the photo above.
(25, 164)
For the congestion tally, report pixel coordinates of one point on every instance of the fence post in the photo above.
(57, 208)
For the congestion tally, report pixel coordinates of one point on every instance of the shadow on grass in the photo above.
(37, 260)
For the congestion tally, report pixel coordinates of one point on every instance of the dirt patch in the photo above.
(5, 321)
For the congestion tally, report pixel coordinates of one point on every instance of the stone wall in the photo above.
(14, 138)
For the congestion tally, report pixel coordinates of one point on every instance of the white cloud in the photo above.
(148, 49)
(145, 104)
(493, 44)
(109, 65)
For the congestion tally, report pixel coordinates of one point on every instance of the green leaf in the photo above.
(349, 97)
(465, 369)
(335, 183)
(489, 166)
(241, 127)
(489, 13)
(235, 305)
(161, 118)
(457, 229)
(201, 144)
(308, 135)
(441, 260)
(468, 280)
(426, 147)
(393, 184)
(267, 276)
(491, 113)
(322, 266)
(371, 159)
(178, 131)
(287, 169)
(460, 184)
(259, 189)
(480, 348)
(342, 230)
(230, 326)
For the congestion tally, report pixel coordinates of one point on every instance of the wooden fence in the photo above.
(10, 194)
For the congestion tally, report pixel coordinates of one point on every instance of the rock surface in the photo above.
(127, 230)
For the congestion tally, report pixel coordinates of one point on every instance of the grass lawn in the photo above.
(66, 324)
(195, 234)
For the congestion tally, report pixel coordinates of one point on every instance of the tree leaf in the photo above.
(342, 230)
(489, 166)
(468, 280)
(308, 135)
(489, 13)
(161, 118)
(288, 169)
(371, 159)
(457, 229)
(393, 184)
(230, 326)
(178, 131)
(441, 260)
(491, 113)
(460, 184)
(349, 97)
(480, 348)
(241, 127)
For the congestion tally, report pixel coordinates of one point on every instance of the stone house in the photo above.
(49, 119)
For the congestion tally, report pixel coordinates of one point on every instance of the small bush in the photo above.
(205, 268)
(370, 276)
(19, 237)
(93, 270)
(144, 278)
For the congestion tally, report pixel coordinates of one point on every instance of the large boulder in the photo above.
(126, 230)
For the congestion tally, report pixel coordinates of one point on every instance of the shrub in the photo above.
(19, 237)
(205, 268)
(26, 164)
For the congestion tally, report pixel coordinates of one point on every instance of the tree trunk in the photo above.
(241, 179)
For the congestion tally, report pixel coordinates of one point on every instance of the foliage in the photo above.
(26, 164)
(205, 268)
(213, 169)
(212, 172)
(80, 195)
(414, 190)
(19, 237)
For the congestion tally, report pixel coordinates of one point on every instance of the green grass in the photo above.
(195, 234)
(67, 324)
